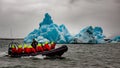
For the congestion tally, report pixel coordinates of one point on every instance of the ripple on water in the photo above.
(77, 56)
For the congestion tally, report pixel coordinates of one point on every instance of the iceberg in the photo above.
(98, 34)
(49, 31)
(116, 39)
(47, 20)
(90, 35)
(41, 39)
(31, 36)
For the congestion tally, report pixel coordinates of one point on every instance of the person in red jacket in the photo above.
(20, 50)
(32, 49)
(39, 48)
(14, 50)
(25, 49)
(46, 47)
(28, 49)
(52, 45)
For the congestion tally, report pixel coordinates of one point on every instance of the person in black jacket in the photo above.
(34, 43)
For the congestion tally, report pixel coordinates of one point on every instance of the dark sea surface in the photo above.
(77, 56)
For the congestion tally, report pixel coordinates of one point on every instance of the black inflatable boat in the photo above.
(52, 53)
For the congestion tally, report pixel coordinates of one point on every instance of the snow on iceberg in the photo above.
(49, 31)
(90, 35)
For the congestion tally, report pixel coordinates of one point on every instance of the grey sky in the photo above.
(22, 16)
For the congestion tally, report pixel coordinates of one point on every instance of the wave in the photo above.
(2, 54)
(35, 57)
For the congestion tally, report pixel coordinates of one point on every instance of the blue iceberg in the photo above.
(116, 39)
(98, 34)
(90, 35)
(49, 31)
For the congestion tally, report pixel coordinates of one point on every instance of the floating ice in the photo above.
(31, 36)
(90, 35)
(98, 34)
(48, 31)
(2, 54)
(116, 39)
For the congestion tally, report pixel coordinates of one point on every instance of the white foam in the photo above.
(40, 57)
(3, 54)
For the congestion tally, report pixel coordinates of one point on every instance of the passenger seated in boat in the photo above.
(39, 48)
(34, 43)
(53, 45)
(46, 47)
(30, 50)
(20, 49)
(25, 48)
(14, 50)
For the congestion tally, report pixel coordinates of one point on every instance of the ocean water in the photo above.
(77, 56)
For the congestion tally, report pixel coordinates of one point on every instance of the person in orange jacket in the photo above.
(20, 50)
(46, 47)
(39, 48)
(14, 50)
(53, 45)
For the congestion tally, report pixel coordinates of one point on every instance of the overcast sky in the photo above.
(20, 17)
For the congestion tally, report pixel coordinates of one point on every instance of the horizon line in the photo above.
(11, 38)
